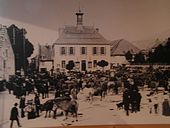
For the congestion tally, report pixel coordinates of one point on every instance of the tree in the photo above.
(103, 64)
(160, 54)
(139, 58)
(70, 65)
(22, 47)
(128, 56)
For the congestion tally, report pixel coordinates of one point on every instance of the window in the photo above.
(63, 50)
(4, 64)
(94, 50)
(63, 63)
(102, 50)
(6, 52)
(71, 50)
(94, 63)
(89, 64)
(83, 50)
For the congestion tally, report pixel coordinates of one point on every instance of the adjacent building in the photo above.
(46, 61)
(83, 45)
(118, 50)
(7, 60)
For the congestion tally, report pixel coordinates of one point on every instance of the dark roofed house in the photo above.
(118, 50)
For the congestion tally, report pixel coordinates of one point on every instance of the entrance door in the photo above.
(83, 65)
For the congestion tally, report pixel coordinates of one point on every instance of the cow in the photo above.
(64, 103)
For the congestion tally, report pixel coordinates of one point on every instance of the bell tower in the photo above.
(79, 15)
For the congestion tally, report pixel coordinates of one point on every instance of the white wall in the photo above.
(7, 60)
(47, 65)
(78, 57)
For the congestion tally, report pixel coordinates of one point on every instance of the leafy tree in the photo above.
(70, 65)
(22, 47)
(103, 64)
(139, 58)
(160, 54)
(128, 56)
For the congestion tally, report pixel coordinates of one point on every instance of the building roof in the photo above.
(86, 35)
(120, 47)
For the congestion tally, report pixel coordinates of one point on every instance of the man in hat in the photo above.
(14, 115)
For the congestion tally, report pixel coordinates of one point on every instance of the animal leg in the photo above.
(46, 114)
(76, 116)
(55, 111)
(49, 114)
(66, 114)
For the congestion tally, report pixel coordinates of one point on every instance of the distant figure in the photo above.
(74, 93)
(37, 104)
(46, 90)
(150, 106)
(165, 108)
(22, 106)
(14, 115)
(126, 101)
(138, 99)
(156, 104)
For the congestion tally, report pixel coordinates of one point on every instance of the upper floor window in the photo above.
(63, 50)
(94, 50)
(83, 50)
(71, 50)
(102, 50)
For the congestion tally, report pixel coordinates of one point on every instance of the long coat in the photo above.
(165, 108)
(14, 113)
(22, 103)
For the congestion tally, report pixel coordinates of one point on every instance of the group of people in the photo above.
(32, 107)
(121, 80)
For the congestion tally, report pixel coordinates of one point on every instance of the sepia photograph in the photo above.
(78, 63)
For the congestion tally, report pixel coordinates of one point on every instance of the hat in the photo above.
(15, 104)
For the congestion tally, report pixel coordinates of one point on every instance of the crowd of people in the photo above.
(127, 81)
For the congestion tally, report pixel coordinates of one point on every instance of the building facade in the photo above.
(83, 45)
(7, 60)
(45, 57)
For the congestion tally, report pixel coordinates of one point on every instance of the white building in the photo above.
(7, 60)
(83, 45)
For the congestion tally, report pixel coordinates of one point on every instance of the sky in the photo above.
(128, 19)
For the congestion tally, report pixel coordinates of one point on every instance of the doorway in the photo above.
(83, 65)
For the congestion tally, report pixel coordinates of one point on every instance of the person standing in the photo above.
(46, 90)
(14, 115)
(165, 107)
(22, 106)
(74, 93)
(155, 104)
(126, 101)
(37, 104)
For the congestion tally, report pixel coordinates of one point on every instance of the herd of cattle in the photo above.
(64, 85)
